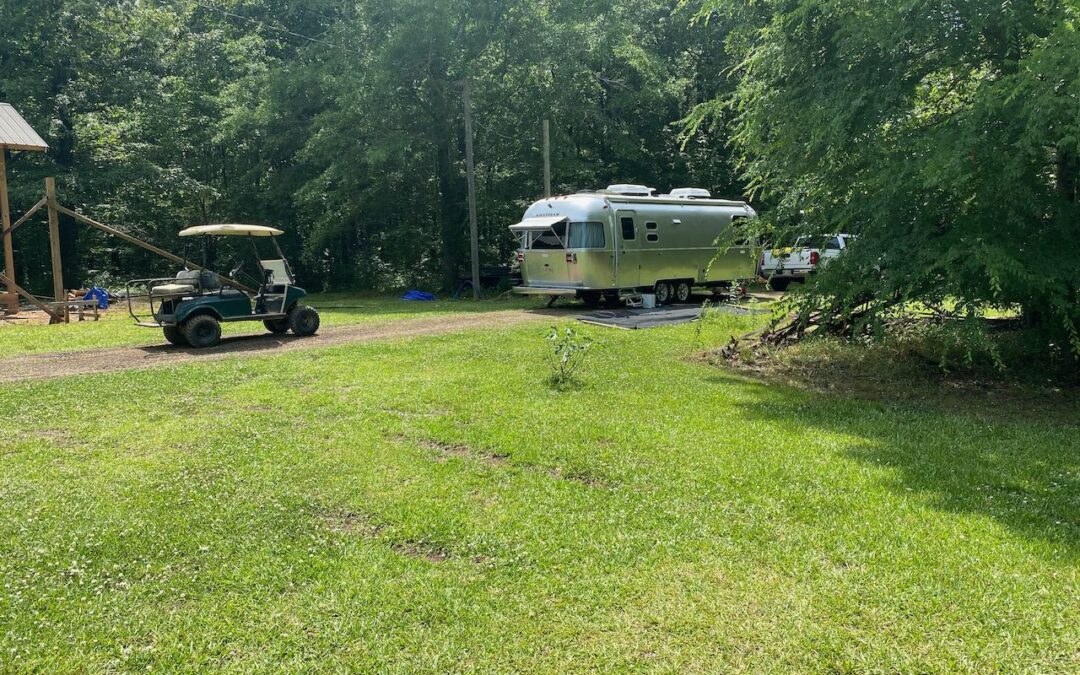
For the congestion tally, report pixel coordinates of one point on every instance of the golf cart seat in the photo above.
(188, 282)
(171, 290)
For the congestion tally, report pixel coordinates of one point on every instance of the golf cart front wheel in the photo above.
(174, 335)
(303, 321)
(277, 326)
(202, 331)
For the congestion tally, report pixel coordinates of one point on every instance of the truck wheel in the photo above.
(277, 326)
(663, 292)
(779, 284)
(202, 331)
(303, 321)
(174, 335)
(682, 292)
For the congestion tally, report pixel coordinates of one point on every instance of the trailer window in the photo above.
(549, 239)
(650, 226)
(587, 235)
(652, 236)
(627, 228)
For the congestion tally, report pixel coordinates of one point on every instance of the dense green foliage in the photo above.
(945, 134)
(341, 121)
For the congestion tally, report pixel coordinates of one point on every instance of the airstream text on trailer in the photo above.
(625, 239)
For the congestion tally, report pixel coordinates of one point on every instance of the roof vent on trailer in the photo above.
(630, 190)
(691, 193)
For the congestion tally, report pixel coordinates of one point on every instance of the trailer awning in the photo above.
(537, 224)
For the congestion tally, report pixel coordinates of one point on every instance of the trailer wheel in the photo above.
(202, 331)
(174, 335)
(303, 321)
(682, 292)
(663, 292)
(779, 284)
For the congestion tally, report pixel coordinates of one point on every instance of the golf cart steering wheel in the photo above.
(236, 270)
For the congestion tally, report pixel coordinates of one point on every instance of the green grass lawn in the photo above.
(116, 327)
(432, 505)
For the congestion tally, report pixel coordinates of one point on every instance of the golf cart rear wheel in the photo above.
(663, 292)
(174, 335)
(682, 292)
(202, 331)
(303, 321)
(277, 326)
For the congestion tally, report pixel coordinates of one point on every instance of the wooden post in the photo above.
(470, 173)
(9, 298)
(547, 158)
(54, 241)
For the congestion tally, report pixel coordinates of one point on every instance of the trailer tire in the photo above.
(303, 321)
(682, 292)
(277, 326)
(779, 284)
(663, 292)
(202, 331)
(174, 335)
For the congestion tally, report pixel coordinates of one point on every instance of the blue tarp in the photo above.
(419, 295)
(99, 294)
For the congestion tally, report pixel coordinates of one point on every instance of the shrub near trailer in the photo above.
(190, 307)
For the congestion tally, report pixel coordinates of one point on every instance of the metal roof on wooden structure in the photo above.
(16, 134)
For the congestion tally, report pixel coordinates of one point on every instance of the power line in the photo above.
(275, 28)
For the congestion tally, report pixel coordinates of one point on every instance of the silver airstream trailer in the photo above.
(625, 240)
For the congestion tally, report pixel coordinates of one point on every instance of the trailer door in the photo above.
(628, 248)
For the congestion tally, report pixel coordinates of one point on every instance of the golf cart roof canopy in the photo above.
(231, 230)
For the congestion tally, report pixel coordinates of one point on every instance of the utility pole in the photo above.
(470, 173)
(547, 158)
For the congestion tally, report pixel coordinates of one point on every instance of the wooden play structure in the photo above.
(16, 134)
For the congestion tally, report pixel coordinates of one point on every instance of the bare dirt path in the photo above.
(111, 359)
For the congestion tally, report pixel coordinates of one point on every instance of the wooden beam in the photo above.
(33, 301)
(149, 247)
(26, 216)
(54, 242)
(5, 225)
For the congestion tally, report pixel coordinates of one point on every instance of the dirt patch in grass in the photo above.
(444, 451)
(421, 549)
(351, 522)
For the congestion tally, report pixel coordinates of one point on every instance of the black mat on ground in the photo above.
(661, 316)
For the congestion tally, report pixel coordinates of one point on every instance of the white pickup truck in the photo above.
(781, 266)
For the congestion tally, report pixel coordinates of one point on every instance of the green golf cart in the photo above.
(190, 307)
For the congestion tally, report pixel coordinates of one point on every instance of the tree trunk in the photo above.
(451, 209)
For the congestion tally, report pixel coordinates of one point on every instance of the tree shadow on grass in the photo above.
(1021, 470)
